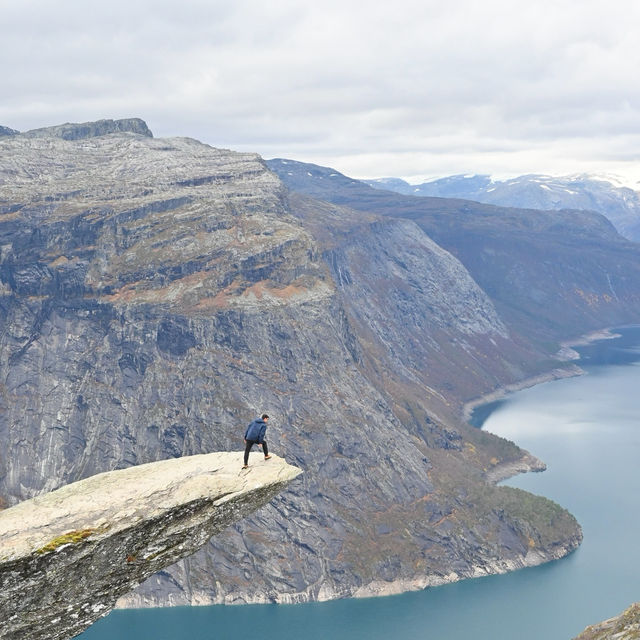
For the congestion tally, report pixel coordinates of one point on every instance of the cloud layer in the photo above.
(405, 88)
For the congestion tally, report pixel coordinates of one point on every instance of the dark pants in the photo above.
(250, 444)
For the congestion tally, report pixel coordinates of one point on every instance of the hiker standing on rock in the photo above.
(255, 435)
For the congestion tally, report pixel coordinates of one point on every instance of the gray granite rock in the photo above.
(77, 131)
(66, 556)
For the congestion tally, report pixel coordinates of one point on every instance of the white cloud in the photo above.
(405, 88)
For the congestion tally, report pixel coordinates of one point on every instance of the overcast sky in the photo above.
(403, 88)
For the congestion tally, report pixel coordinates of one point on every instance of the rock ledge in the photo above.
(66, 556)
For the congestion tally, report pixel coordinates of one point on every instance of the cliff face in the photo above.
(157, 294)
(66, 556)
(431, 331)
(117, 273)
(550, 274)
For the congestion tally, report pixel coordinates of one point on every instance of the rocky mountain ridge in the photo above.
(158, 293)
(7, 131)
(78, 131)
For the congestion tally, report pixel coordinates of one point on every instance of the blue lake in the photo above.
(587, 430)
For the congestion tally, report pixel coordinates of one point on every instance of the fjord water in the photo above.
(587, 430)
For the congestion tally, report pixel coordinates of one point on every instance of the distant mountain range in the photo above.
(592, 193)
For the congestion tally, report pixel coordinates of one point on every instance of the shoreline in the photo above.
(374, 589)
(571, 371)
(566, 354)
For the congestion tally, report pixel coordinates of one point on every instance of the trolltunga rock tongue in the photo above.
(66, 556)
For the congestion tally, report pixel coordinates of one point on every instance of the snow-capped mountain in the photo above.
(605, 195)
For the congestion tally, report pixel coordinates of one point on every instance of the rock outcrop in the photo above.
(626, 626)
(66, 556)
(78, 131)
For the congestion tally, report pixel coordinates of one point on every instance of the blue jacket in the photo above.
(256, 430)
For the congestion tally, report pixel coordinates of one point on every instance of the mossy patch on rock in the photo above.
(71, 537)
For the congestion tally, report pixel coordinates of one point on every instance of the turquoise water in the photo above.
(587, 430)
